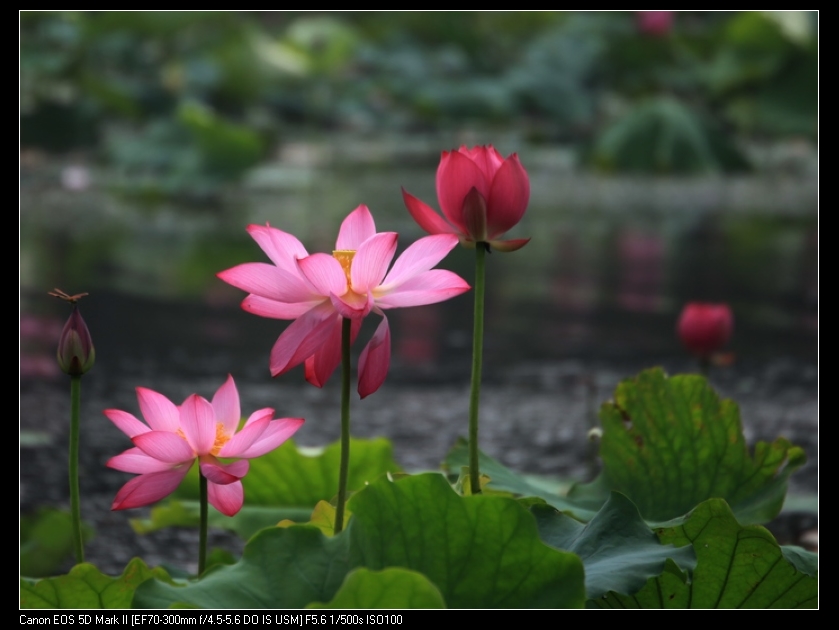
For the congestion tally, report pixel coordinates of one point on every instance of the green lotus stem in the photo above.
(477, 364)
(346, 329)
(75, 497)
(202, 527)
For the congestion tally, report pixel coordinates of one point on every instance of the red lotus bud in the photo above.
(76, 354)
(705, 328)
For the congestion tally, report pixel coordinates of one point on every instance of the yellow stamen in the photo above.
(345, 256)
(221, 438)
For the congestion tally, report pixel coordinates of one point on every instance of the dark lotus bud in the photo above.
(76, 354)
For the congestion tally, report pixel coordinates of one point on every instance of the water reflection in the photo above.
(605, 275)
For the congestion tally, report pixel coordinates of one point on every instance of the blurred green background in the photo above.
(672, 157)
(182, 102)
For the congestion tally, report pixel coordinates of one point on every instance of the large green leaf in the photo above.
(670, 443)
(619, 550)
(280, 568)
(391, 588)
(480, 551)
(502, 478)
(283, 484)
(86, 587)
(249, 520)
(46, 541)
(737, 567)
(663, 135)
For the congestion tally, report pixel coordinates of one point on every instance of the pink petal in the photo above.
(226, 499)
(425, 217)
(429, 287)
(419, 257)
(160, 413)
(223, 474)
(303, 338)
(269, 282)
(475, 216)
(198, 421)
(352, 305)
(508, 197)
(137, 462)
(321, 365)
(265, 307)
(226, 406)
(165, 446)
(325, 273)
(508, 246)
(149, 488)
(371, 261)
(487, 158)
(278, 431)
(355, 229)
(456, 176)
(240, 442)
(126, 422)
(282, 248)
(259, 414)
(374, 361)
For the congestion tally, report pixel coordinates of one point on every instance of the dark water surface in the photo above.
(591, 300)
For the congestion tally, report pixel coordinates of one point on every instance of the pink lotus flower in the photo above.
(655, 23)
(317, 291)
(705, 328)
(481, 195)
(165, 449)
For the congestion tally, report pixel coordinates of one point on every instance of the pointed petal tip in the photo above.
(505, 247)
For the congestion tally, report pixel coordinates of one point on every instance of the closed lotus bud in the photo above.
(705, 328)
(76, 354)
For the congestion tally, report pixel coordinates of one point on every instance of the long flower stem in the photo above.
(75, 497)
(202, 527)
(477, 365)
(346, 328)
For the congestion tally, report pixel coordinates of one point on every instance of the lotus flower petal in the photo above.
(204, 430)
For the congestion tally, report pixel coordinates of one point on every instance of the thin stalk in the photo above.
(75, 497)
(202, 527)
(477, 365)
(346, 327)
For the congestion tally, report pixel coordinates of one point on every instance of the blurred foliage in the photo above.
(188, 101)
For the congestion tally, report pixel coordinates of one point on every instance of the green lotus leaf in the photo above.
(619, 550)
(737, 567)
(390, 588)
(86, 587)
(670, 443)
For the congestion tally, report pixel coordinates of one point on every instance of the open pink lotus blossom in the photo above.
(481, 194)
(318, 291)
(165, 449)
